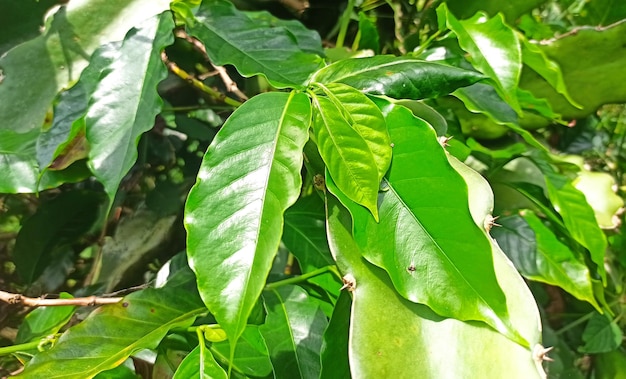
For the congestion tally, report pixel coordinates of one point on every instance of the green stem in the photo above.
(301, 278)
(427, 43)
(345, 22)
(17, 348)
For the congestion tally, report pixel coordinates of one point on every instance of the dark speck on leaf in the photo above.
(125, 304)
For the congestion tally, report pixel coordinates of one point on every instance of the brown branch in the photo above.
(14, 298)
(173, 67)
(231, 86)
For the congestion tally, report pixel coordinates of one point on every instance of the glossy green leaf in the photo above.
(426, 239)
(69, 112)
(126, 101)
(120, 372)
(304, 233)
(424, 345)
(251, 355)
(346, 153)
(539, 255)
(57, 224)
(364, 117)
(293, 332)
(200, 363)
(397, 77)
(601, 335)
(494, 49)
(138, 322)
(536, 59)
(257, 44)
(44, 321)
(578, 216)
(334, 356)
(35, 70)
(249, 176)
(511, 9)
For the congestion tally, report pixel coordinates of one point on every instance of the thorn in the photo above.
(540, 353)
(443, 140)
(490, 222)
(349, 283)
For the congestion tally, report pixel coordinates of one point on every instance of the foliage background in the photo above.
(123, 156)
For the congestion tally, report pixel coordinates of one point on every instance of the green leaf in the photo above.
(424, 345)
(304, 233)
(368, 34)
(199, 363)
(293, 332)
(44, 321)
(536, 59)
(539, 255)
(346, 153)
(284, 52)
(578, 216)
(251, 355)
(482, 98)
(138, 322)
(365, 117)
(427, 240)
(335, 355)
(397, 77)
(126, 101)
(72, 105)
(494, 49)
(249, 176)
(56, 224)
(35, 70)
(601, 335)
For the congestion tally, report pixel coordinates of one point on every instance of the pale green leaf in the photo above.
(234, 214)
(601, 335)
(425, 345)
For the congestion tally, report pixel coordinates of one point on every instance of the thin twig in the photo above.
(230, 84)
(14, 298)
(173, 67)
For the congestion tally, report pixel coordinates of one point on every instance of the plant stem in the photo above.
(345, 22)
(300, 278)
(17, 348)
(426, 43)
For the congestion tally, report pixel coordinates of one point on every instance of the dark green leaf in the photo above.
(397, 77)
(304, 233)
(126, 101)
(293, 332)
(279, 50)
(335, 355)
(601, 335)
(138, 322)
(199, 363)
(249, 176)
(368, 34)
(56, 224)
